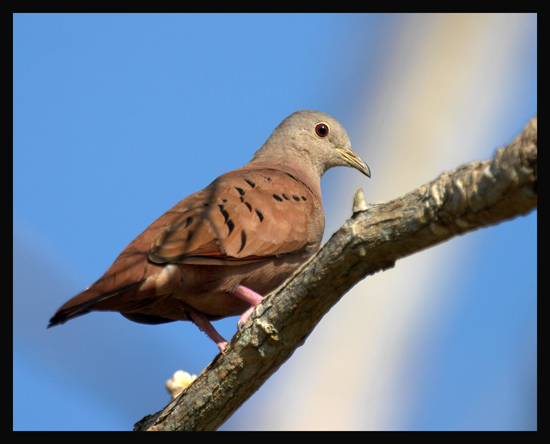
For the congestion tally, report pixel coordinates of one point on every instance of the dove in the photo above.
(218, 252)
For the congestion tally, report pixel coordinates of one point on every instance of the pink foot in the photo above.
(253, 298)
(204, 324)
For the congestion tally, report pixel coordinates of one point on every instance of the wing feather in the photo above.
(245, 215)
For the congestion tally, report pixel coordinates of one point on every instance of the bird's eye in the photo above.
(322, 130)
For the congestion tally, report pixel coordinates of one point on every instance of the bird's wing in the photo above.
(245, 215)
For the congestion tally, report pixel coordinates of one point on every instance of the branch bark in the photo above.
(476, 195)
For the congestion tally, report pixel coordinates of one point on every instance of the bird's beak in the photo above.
(354, 160)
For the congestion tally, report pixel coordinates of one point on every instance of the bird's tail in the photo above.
(85, 302)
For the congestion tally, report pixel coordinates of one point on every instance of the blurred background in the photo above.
(118, 117)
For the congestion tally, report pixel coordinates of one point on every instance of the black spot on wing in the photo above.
(243, 241)
(224, 213)
(230, 225)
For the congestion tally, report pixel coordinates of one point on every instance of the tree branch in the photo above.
(474, 196)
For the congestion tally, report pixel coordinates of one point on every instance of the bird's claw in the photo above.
(222, 346)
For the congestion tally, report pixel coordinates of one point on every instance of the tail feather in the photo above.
(64, 314)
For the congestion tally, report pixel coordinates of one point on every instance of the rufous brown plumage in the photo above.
(218, 251)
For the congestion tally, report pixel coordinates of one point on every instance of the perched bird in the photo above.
(215, 253)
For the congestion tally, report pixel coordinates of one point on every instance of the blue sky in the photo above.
(118, 117)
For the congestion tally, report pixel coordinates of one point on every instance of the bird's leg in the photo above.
(205, 325)
(253, 298)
